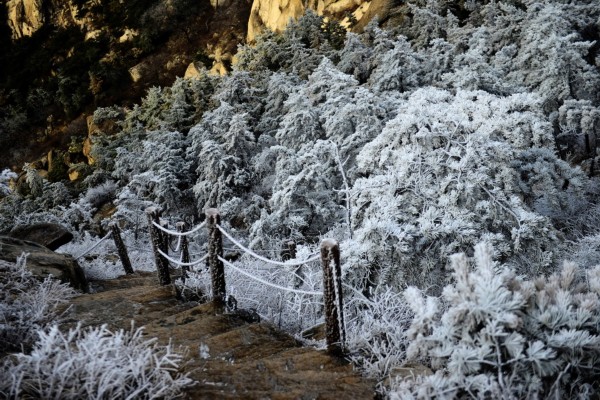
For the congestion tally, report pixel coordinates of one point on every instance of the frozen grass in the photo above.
(94, 364)
(26, 305)
(376, 331)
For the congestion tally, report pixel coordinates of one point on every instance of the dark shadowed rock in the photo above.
(43, 262)
(47, 234)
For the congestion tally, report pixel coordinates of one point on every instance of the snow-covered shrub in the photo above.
(494, 334)
(376, 330)
(152, 166)
(299, 49)
(101, 194)
(26, 305)
(94, 363)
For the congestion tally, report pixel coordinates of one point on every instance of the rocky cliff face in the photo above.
(25, 17)
(274, 15)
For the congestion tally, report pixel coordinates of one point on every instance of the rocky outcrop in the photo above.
(47, 234)
(193, 71)
(43, 262)
(273, 15)
(25, 17)
(276, 14)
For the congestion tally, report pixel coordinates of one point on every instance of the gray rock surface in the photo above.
(48, 235)
(43, 262)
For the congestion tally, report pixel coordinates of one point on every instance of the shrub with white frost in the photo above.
(496, 335)
(94, 364)
(376, 331)
(26, 305)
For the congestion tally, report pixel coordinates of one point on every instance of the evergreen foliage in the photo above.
(27, 306)
(94, 363)
(497, 335)
(469, 122)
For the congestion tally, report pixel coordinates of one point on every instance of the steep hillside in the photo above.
(61, 60)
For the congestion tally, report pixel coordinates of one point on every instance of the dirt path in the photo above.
(228, 357)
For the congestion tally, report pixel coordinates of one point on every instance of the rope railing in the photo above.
(259, 257)
(94, 246)
(180, 263)
(273, 285)
(176, 233)
(329, 256)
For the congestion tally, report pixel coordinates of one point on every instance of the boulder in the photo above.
(25, 17)
(193, 71)
(43, 262)
(46, 234)
(273, 15)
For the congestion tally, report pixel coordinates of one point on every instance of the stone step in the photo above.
(239, 360)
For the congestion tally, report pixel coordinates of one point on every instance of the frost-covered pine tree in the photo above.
(449, 170)
(496, 335)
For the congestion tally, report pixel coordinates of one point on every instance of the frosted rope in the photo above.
(175, 233)
(336, 291)
(178, 244)
(249, 275)
(182, 264)
(253, 254)
(94, 246)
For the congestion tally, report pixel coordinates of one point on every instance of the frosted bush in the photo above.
(94, 364)
(26, 305)
(101, 194)
(502, 336)
(376, 330)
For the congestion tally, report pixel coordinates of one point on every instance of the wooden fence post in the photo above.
(185, 250)
(289, 254)
(215, 250)
(332, 293)
(156, 237)
(164, 237)
(121, 249)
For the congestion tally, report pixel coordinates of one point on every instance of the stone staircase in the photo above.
(228, 357)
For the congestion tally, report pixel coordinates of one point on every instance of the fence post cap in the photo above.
(180, 225)
(152, 210)
(211, 211)
(329, 243)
